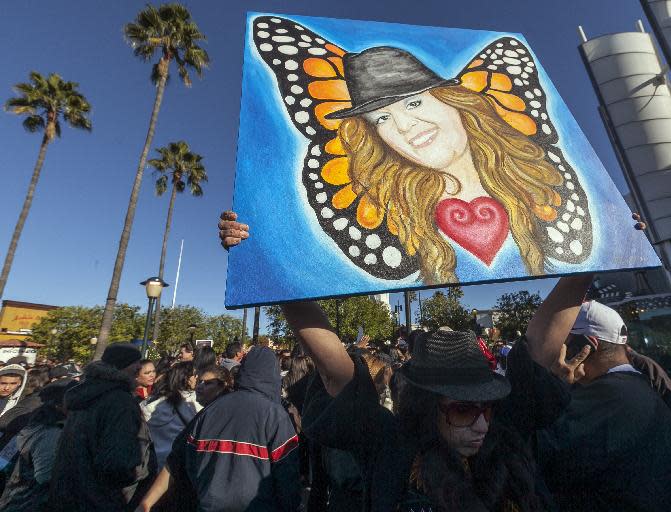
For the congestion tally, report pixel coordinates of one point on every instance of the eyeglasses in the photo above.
(465, 414)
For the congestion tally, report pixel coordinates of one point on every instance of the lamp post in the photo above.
(192, 331)
(154, 286)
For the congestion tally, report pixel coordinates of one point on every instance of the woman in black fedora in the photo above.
(461, 438)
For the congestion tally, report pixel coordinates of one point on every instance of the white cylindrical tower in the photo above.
(636, 108)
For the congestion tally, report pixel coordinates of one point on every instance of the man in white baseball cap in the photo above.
(603, 330)
(611, 447)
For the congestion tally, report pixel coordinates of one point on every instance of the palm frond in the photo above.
(161, 185)
(33, 124)
(52, 98)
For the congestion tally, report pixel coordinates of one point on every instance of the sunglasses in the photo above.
(465, 414)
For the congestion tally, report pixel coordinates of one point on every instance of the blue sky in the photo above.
(67, 251)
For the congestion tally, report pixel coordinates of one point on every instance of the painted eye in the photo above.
(413, 104)
(381, 119)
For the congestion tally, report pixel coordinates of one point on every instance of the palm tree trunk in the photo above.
(108, 313)
(164, 249)
(9, 259)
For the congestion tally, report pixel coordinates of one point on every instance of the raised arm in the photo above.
(310, 325)
(307, 321)
(552, 323)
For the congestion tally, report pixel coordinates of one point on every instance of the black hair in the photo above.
(164, 364)
(204, 357)
(36, 379)
(285, 363)
(187, 346)
(232, 349)
(223, 376)
(176, 381)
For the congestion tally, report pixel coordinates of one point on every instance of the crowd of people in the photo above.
(566, 417)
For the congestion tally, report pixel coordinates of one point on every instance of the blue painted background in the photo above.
(289, 257)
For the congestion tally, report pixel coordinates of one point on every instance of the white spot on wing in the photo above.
(340, 223)
(302, 117)
(392, 257)
(287, 49)
(370, 259)
(576, 247)
(555, 235)
(355, 233)
(373, 241)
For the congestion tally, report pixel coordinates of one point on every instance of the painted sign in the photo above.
(376, 157)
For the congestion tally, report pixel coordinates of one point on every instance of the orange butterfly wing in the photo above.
(506, 73)
(310, 79)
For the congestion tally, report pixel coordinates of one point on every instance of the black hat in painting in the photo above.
(451, 364)
(383, 75)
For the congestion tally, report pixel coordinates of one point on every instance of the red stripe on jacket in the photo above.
(242, 448)
(284, 449)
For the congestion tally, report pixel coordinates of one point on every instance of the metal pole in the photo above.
(244, 327)
(255, 332)
(408, 316)
(421, 314)
(146, 326)
(179, 264)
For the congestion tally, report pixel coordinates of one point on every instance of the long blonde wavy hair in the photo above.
(512, 169)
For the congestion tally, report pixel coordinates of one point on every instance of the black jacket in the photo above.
(611, 450)
(105, 459)
(239, 453)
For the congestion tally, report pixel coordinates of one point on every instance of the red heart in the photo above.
(480, 226)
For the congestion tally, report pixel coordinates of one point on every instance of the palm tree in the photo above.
(176, 164)
(169, 31)
(44, 102)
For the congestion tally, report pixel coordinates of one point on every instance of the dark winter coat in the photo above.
(239, 453)
(611, 450)
(28, 488)
(105, 459)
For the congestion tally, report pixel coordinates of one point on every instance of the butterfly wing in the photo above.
(506, 73)
(310, 80)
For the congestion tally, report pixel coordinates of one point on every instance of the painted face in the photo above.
(147, 375)
(9, 384)
(423, 129)
(466, 439)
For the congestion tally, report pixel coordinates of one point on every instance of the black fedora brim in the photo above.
(371, 105)
(486, 386)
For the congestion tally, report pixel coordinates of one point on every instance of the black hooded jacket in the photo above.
(239, 453)
(105, 459)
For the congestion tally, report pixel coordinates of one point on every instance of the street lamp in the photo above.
(192, 330)
(154, 286)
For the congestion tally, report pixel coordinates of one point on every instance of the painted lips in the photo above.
(423, 139)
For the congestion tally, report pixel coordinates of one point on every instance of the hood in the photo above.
(13, 399)
(99, 378)
(260, 372)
